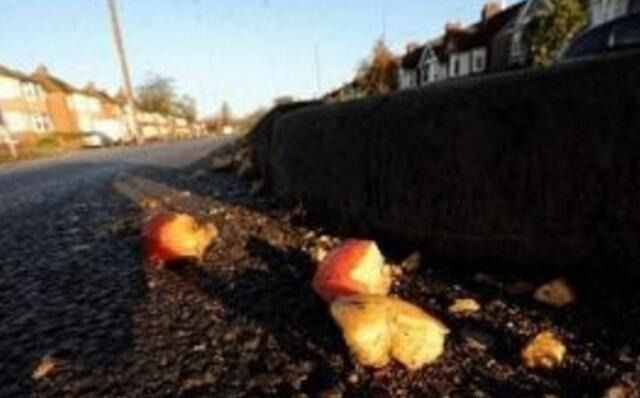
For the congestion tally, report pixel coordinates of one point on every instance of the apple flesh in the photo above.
(364, 321)
(378, 328)
(355, 267)
(418, 338)
(169, 237)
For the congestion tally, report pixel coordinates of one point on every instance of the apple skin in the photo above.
(355, 267)
(169, 237)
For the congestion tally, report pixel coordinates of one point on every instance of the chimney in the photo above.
(42, 70)
(492, 8)
(411, 46)
(453, 26)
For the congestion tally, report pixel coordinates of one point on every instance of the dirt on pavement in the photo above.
(76, 296)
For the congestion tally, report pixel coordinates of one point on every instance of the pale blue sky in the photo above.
(244, 51)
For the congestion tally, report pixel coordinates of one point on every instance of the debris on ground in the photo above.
(544, 351)
(556, 293)
(245, 323)
(45, 368)
(464, 306)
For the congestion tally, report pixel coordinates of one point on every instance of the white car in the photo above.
(96, 139)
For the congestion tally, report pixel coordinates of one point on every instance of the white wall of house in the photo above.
(602, 11)
(87, 109)
(459, 64)
(9, 88)
(407, 78)
(27, 119)
(16, 121)
(19, 122)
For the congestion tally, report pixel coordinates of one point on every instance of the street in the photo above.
(30, 185)
(81, 314)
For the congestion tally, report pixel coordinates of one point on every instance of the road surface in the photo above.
(30, 185)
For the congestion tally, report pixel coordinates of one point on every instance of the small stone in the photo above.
(219, 163)
(354, 378)
(46, 366)
(617, 392)
(477, 340)
(464, 306)
(319, 254)
(252, 344)
(200, 347)
(519, 288)
(256, 187)
(185, 194)
(150, 203)
(80, 248)
(544, 351)
(200, 173)
(412, 263)
(556, 293)
(624, 355)
(330, 393)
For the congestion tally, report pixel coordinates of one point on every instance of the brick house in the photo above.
(23, 104)
(472, 50)
(59, 93)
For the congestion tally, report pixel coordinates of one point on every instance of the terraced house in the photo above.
(77, 110)
(23, 104)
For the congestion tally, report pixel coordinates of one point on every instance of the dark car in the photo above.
(617, 35)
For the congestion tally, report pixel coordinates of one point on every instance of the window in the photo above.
(592, 42)
(41, 122)
(627, 33)
(455, 66)
(479, 60)
(426, 74)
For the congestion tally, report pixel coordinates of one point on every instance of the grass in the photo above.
(35, 147)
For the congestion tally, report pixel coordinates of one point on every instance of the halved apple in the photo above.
(168, 237)
(355, 267)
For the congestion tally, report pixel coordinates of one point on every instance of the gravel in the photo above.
(245, 323)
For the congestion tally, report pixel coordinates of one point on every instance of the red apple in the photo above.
(168, 237)
(355, 267)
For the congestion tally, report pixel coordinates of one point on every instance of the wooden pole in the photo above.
(126, 77)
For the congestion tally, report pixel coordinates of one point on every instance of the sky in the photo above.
(245, 52)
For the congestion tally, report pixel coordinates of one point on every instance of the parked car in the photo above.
(618, 35)
(97, 139)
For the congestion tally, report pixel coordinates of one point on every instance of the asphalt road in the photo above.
(29, 185)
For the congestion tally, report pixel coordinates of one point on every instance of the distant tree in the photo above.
(378, 74)
(225, 116)
(552, 30)
(185, 107)
(158, 94)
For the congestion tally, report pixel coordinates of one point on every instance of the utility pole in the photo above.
(317, 62)
(117, 38)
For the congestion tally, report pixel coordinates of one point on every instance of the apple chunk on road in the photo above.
(355, 267)
(169, 237)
